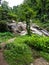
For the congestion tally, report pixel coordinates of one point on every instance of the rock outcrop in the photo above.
(20, 28)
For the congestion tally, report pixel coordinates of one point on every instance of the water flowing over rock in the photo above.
(20, 28)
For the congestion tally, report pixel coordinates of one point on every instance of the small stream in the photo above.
(40, 31)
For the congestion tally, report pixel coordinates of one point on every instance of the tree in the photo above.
(0, 13)
(42, 10)
(30, 3)
(4, 11)
(25, 13)
(29, 15)
(4, 5)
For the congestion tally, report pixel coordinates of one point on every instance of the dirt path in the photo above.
(40, 61)
(2, 60)
(11, 40)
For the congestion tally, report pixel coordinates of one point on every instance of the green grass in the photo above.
(5, 36)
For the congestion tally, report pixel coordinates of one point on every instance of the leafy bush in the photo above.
(35, 41)
(18, 54)
(39, 43)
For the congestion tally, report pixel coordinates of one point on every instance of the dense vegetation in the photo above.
(24, 49)
(37, 10)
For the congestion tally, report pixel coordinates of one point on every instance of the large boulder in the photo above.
(16, 27)
(12, 27)
(23, 33)
(21, 26)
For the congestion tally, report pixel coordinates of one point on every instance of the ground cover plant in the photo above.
(5, 36)
(18, 54)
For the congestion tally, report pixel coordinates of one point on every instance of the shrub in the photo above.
(38, 43)
(18, 54)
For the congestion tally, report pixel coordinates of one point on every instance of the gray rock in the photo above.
(20, 28)
(23, 33)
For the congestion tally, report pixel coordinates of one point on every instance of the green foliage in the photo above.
(18, 54)
(39, 43)
(6, 12)
(38, 9)
(4, 5)
(41, 9)
(38, 12)
(12, 16)
(5, 36)
(44, 55)
(22, 10)
(25, 13)
(35, 41)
